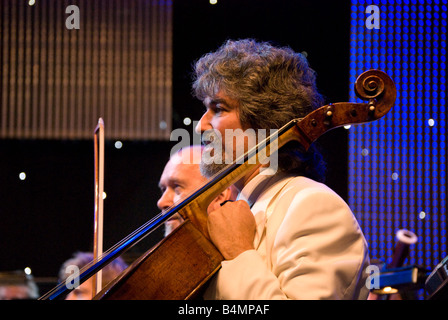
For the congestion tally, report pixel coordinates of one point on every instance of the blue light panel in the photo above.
(397, 165)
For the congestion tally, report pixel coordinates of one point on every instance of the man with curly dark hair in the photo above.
(287, 236)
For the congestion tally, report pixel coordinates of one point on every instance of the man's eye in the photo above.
(219, 108)
(177, 189)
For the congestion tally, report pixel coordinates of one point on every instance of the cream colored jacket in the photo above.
(308, 245)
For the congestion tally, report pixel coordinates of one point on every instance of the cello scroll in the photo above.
(372, 85)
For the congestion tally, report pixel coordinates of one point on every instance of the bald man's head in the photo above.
(180, 178)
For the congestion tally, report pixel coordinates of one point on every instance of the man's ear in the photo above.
(227, 194)
(223, 196)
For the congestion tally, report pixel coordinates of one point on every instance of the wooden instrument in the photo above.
(180, 265)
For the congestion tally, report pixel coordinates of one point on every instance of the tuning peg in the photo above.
(328, 114)
(371, 109)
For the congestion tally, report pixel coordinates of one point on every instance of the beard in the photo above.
(209, 170)
(216, 155)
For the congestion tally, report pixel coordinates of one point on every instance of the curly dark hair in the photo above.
(272, 85)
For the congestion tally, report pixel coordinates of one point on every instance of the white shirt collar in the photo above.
(252, 190)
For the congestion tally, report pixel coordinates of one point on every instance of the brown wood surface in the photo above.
(175, 269)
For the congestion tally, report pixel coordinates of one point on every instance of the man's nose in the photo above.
(165, 201)
(204, 123)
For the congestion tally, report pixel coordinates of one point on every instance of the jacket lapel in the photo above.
(262, 207)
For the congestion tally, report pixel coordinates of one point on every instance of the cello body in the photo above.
(175, 269)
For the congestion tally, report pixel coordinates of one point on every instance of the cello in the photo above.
(180, 265)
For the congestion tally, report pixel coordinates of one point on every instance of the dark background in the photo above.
(49, 215)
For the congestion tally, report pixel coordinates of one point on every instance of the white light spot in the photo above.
(431, 122)
(394, 176)
(22, 176)
(187, 121)
(422, 215)
(118, 144)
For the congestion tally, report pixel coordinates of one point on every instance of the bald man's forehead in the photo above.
(190, 155)
(179, 172)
